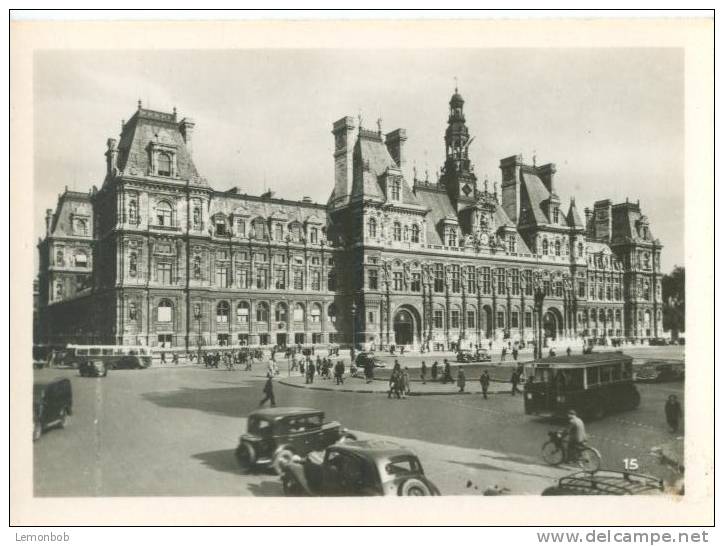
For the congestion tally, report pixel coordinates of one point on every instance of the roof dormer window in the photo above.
(556, 215)
(164, 164)
(396, 190)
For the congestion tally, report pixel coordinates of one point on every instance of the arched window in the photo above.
(544, 246)
(163, 214)
(397, 231)
(242, 313)
(298, 315)
(316, 313)
(197, 267)
(222, 312)
(165, 311)
(332, 312)
(262, 312)
(280, 312)
(80, 258)
(164, 164)
(372, 228)
(415, 233)
(132, 212)
(558, 247)
(59, 257)
(133, 264)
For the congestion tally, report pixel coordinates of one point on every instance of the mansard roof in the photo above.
(70, 203)
(628, 223)
(573, 218)
(149, 126)
(534, 195)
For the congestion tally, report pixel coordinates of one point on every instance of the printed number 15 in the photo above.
(631, 464)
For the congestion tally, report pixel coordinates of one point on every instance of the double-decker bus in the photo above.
(113, 356)
(592, 384)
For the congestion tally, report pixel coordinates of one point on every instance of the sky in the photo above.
(612, 120)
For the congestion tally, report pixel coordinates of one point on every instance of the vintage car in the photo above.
(274, 435)
(367, 356)
(357, 468)
(659, 372)
(480, 355)
(92, 368)
(52, 404)
(606, 482)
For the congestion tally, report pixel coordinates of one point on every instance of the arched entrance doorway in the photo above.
(552, 322)
(406, 326)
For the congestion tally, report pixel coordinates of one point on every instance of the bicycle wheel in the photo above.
(590, 459)
(552, 453)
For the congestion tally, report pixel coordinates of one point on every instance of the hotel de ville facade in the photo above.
(158, 257)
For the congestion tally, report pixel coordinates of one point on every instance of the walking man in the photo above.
(433, 371)
(485, 383)
(446, 375)
(461, 379)
(423, 372)
(514, 379)
(268, 391)
(673, 412)
(515, 353)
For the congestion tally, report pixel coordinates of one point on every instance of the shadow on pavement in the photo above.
(484, 466)
(267, 488)
(232, 402)
(224, 461)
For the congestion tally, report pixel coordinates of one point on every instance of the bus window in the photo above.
(591, 376)
(627, 370)
(616, 371)
(94, 351)
(575, 379)
(81, 352)
(108, 351)
(605, 374)
(542, 375)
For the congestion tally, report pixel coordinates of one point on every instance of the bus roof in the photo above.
(593, 359)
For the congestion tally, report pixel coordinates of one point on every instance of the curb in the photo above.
(368, 391)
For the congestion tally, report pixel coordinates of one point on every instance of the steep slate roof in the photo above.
(533, 195)
(440, 207)
(574, 219)
(624, 219)
(146, 126)
(71, 202)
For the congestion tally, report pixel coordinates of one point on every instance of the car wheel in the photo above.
(245, 456)
(282, 457)
(414, 488)
(63, 418)
(37, 431)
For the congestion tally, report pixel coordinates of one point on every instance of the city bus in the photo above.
(113, 356)
(592, 384)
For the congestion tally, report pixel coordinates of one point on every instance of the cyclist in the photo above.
(576, 435)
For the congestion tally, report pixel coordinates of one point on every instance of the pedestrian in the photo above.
(514, 379)
(394, 384)
(174, 358)
(485, 383)
(433, 371)
(339, 372)
(446, 375)
(310, 372)
(163, 357)
(673, 412)
(423, 372)
(568, 351)
(405, 382)
(503, 352)
(552, 352)
(490, 345)
(515, 353)
(461, 379)
(268, 392)
(396, 367)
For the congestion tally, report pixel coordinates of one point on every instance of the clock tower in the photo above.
(458, 176)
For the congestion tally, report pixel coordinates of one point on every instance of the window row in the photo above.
(242, 312)
(399, 232)
(79, 258)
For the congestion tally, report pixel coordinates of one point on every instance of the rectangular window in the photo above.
(316, 280)
(528, 279)
(439, 278)
(581, 289)
(221, 275)
(500, 319)
(415, 282)
(220, 228)
(313, 235)
(514, 319)
(240, 228)
(437, 318)
(511, 244)
(486, 280)
(278, 232)
(261, 279)
(164, 273)
(397, 280)
(371, 317)
(454, 319)
(500, 272)
(298, 279)
(260, 257)
(515, 282)
(471, 319)
(471, 280)
(280, 279)
(547, 288)
(558, 289)
(528, 319)
(372, 278)
(455, 278)
(242, 277)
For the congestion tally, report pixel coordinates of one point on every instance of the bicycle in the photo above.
(554, 452)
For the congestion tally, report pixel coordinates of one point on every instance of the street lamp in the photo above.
(539, 295)
(354, 324)
(197, 316)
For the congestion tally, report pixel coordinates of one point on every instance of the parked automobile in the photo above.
(366, 356)
(274, 435)
(662, 372)
(606, 482)
(479, 355)
(358, 468)
(52, 404)
(92, 368)
(658, 341)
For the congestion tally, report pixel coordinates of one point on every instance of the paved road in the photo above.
(173, 431)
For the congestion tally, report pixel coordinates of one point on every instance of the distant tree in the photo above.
(673, 293)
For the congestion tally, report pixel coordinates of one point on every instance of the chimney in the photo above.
(343, 131)
(186, 127)
(48, 218)
(545, 173)
(510, 186)
(395, 142)
(589, 215)
(111, 156)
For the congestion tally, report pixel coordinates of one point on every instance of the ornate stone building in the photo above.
(158, 257)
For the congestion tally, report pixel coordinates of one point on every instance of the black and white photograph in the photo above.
(361, 271)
